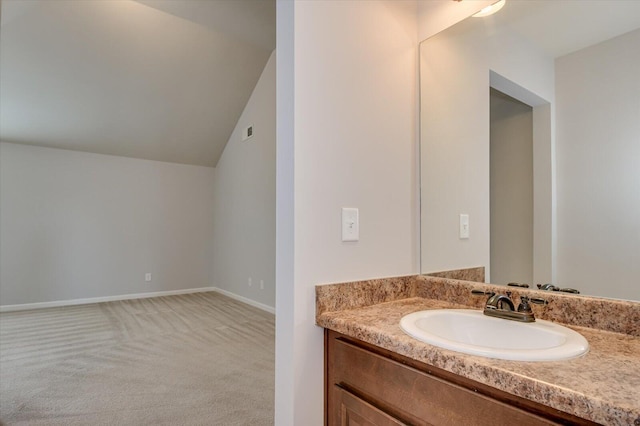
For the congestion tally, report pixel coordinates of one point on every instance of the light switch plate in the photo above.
(350, 224)
(464, 226)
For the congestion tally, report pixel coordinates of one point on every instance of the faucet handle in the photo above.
(482, 293)
(524, 304)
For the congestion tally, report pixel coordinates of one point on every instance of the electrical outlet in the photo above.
(261, 284)
(250, 282)
(147, 277)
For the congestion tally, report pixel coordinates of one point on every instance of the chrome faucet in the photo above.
(501, 306)
(497, 301)
(548, 287)
(551, 287)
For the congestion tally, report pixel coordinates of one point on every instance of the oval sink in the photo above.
(474, 333)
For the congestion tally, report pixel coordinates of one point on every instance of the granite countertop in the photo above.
(602, 386)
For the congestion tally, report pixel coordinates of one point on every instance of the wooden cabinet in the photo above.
(357, 412)
(367, 385)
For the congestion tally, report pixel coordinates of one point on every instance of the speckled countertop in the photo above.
(602, 386)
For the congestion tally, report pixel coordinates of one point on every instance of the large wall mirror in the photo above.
(530, 128)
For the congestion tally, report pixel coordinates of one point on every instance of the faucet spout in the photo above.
(497, 301)
(501, 306)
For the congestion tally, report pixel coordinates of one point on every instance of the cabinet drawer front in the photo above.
(415, 396)
(356, 412)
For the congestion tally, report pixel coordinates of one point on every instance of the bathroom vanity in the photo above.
(376, 374)
(366, 384)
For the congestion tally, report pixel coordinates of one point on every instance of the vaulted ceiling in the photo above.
(162, 80)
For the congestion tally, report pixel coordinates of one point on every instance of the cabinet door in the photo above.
(356, 412)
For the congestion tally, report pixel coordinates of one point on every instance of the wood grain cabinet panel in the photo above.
(356, 412)
(366, 385)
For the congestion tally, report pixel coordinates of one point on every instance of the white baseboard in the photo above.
(245, 300)
(72, 302)
(58, 303)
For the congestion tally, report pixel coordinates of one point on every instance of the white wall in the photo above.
(511, 190)
(244, 190)
(78, 225)
(598, 151)
(455, 135)
(346, 137)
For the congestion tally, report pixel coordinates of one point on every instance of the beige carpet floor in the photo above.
(197, 359)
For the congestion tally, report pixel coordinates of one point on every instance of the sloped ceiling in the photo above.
(162, 80)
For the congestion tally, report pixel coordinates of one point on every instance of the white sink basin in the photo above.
(474, 333)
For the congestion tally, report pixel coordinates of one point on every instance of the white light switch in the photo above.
(350, 224)
(464, 226)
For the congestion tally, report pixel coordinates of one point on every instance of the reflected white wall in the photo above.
(598, 151)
